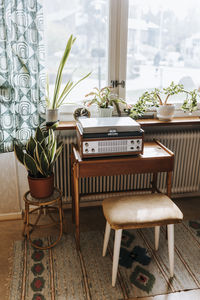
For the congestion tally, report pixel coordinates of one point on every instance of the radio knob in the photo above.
(138, 141)
(132, 142)
(86, 150)
(138, 147)
(86, 144)
(93, 150)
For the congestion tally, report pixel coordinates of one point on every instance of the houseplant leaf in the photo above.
(39, 135)
(69, 89)
(60, 69)
(44, 164)
(30, 165)
(58, 151)
(19, 154)
(30, 146)
(53, 152)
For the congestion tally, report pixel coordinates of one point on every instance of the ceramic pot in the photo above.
(41, 187)
(52, 115)
(105, 112)
(166, 112)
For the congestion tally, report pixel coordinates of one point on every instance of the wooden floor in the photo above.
(90, 218)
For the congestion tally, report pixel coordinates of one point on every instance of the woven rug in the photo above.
(65, 273)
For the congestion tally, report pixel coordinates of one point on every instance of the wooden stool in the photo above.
(46, 205)
(130, 212)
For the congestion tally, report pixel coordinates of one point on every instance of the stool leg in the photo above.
(118, 236)
(157, 234)
(170, 232)
(106, 238)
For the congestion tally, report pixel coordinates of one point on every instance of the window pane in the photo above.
(87, 21)
(163, 45)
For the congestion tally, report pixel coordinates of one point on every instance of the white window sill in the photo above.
(67, 110)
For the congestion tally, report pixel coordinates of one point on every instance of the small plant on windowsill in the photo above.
(190, 104)
(105, 100)
(58, 96)
(165, 111)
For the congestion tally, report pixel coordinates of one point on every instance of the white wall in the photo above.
(13, 184)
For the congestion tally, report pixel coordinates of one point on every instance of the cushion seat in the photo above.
(140, 211)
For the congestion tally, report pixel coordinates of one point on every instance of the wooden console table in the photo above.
(156, 158)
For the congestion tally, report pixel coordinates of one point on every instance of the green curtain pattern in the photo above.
(22, 70)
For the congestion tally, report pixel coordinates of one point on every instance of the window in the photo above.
(146, 43)
(163, 45)
(88, 22)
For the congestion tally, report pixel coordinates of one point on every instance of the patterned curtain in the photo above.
(22, 72)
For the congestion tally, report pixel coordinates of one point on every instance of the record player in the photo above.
(113, 136)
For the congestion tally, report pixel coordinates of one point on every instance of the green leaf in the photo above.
(58, 151)
(61, 100)
(44, 164)
(30, 165)
(70, 42)
(38, 151)
(19, 153)
(30, 146)
(39, 135)
(53, 152)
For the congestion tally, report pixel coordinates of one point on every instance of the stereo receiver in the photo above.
(112, 136)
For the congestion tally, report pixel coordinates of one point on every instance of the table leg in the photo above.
(72, 188)
(154, 182)
(169, 183)
(76, 205)
(25, 220)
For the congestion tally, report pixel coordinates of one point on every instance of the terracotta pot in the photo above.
(41, 187)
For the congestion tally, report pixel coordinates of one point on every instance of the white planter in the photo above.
(166, 112)
(52, 115)
(105, 112)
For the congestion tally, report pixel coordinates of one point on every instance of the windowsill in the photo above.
(71, 125)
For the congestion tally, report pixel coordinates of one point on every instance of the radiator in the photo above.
(186, 176)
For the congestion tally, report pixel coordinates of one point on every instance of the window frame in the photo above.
(117, 56)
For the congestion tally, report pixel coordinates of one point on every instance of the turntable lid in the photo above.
(101, 125)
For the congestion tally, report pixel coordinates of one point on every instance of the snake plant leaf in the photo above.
(58, 151)
(38, 151)
(38, 164)
(44, 142)
(54, 126)
(39, 135)
(53, 152)
(19, 154)
(51, 138)
(30, 146)
(30, 165)
(44, 164)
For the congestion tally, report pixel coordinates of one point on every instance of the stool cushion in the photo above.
(139, 211)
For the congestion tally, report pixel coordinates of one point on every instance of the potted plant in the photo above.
(105, 100)
(165, 111)
(58, 96)
(190, 103)
(38, 157)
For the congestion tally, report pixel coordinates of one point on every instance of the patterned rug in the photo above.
(65, 273)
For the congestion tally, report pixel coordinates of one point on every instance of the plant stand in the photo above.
(46, 206)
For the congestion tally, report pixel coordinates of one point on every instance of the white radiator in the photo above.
(186, 176)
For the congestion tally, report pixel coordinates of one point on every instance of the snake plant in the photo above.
(40, 153)
(58, 96)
